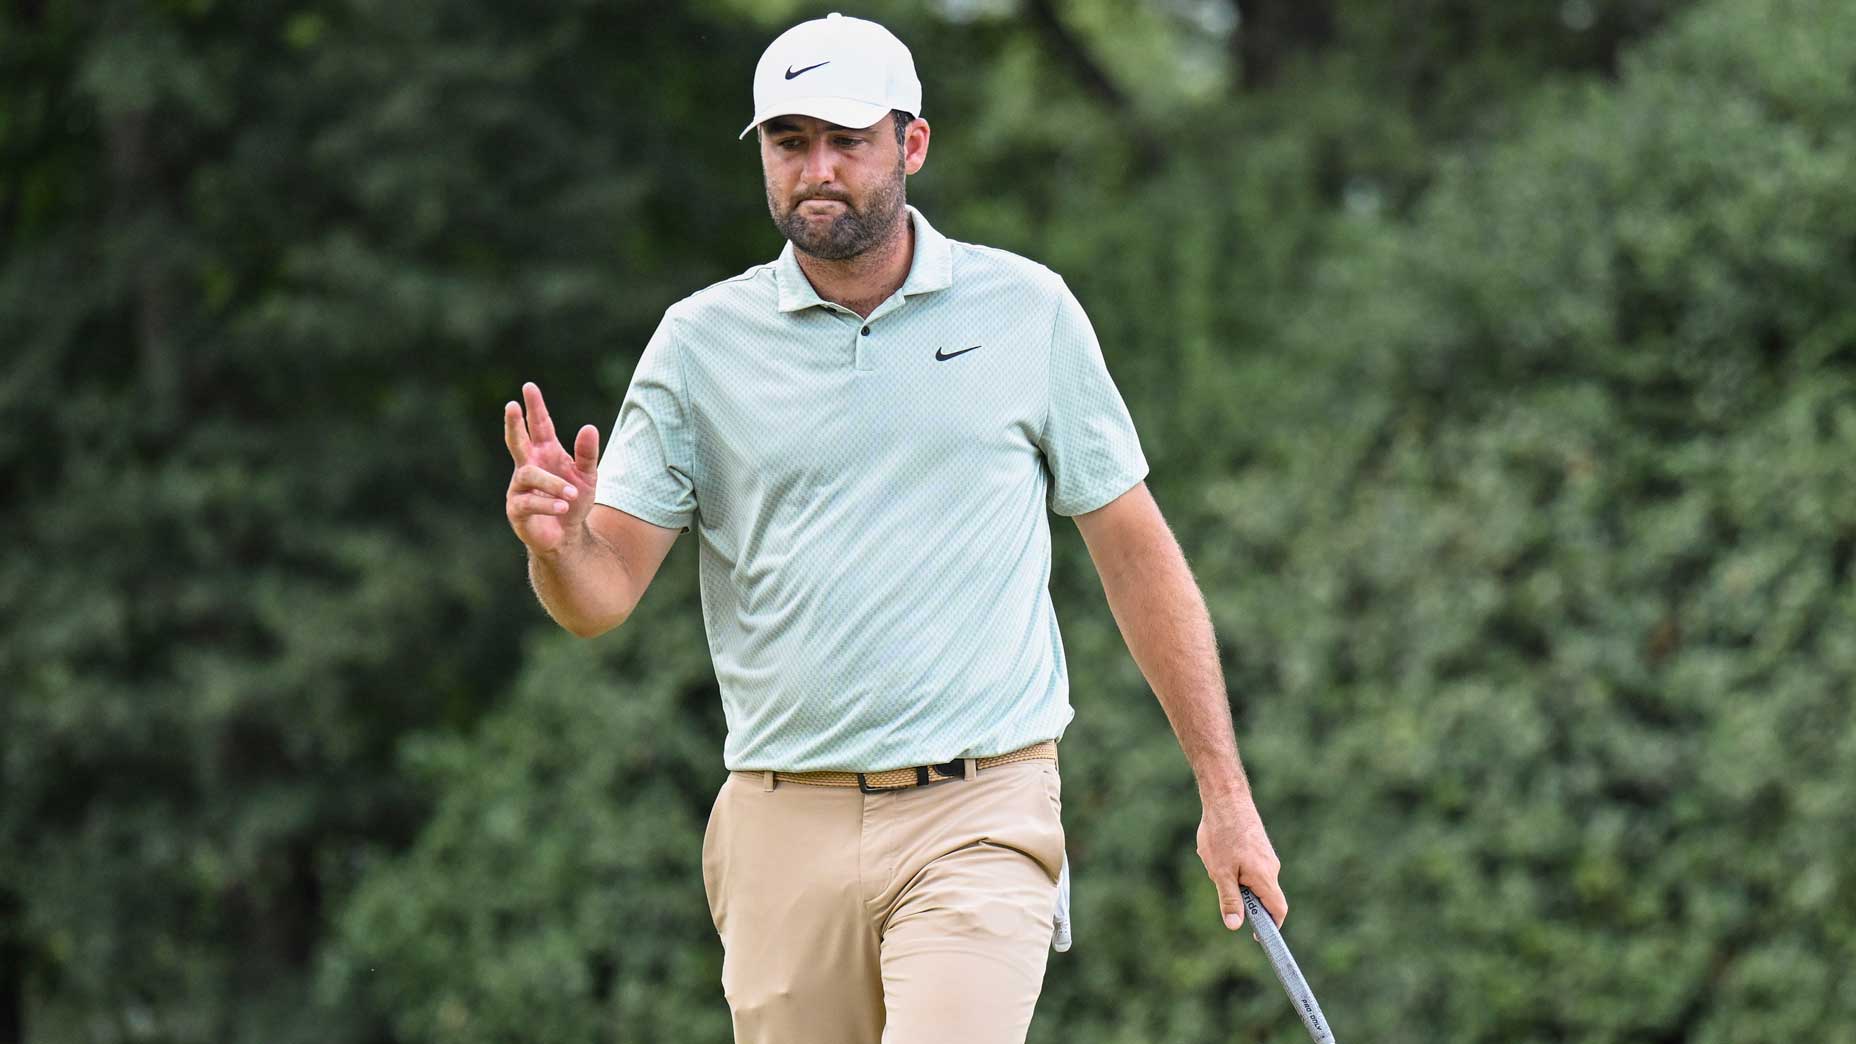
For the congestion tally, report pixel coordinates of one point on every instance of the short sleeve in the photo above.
(1088, 440)
(648, 468)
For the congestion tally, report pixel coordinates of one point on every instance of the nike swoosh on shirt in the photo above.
(943, 358)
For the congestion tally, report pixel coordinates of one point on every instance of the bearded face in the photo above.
(835, 192)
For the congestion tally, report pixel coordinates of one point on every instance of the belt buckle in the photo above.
(951, 770)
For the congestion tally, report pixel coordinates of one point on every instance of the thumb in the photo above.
(586, 450)
(1231, 904)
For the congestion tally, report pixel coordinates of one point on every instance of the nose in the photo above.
(821, 162)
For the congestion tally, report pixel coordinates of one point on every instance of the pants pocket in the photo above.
(1044, 830)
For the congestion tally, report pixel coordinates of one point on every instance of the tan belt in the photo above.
(904, 778)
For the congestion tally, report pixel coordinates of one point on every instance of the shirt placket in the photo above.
(864, 358)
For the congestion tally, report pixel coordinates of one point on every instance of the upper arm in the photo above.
(1120, 532)
(1087, 438)
(640, 545)
(649, 467)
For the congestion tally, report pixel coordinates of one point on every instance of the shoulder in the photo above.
(749, 293)
(992, 268)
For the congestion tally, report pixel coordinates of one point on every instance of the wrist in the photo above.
(574, 539)
(1224, 788)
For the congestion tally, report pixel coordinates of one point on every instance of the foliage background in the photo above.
(1496, 362)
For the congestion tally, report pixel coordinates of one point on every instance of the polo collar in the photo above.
(932, 268)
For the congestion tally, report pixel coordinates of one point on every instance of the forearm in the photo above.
(1162, 617)
(585, 586)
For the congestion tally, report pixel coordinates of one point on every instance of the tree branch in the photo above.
(1273, 31)
(1074, 54)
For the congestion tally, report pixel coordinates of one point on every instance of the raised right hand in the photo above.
(551, 492)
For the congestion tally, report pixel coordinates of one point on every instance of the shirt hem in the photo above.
(1108, 494)
(656, 514)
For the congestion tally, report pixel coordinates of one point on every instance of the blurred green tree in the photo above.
(1503, 410)
(271, 271)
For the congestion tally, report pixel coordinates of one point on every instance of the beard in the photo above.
(849, 234)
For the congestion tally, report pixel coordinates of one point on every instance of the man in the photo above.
(865, 435)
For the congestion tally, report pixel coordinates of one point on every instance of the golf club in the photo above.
(1284, 962)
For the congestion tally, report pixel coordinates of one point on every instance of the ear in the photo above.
(915, 146)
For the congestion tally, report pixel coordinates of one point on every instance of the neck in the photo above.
(861, 283)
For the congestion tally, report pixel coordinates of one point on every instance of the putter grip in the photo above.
(1278, 950)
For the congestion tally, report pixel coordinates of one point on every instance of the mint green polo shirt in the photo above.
(870, 499)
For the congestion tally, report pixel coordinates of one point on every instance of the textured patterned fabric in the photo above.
(869, 499)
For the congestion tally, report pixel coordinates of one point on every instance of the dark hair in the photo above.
(898, 117)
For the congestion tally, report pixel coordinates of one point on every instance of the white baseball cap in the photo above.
(847, 71)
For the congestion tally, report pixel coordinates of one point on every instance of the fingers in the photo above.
(540, 425)
(586, 450)
(515, 433)
(1269, 893)
(522, 505)
(530, 478)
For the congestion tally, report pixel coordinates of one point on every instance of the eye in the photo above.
(790, 144)
(847, 142)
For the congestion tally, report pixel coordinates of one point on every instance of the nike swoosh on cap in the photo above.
(790, 73)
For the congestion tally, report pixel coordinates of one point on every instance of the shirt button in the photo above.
(866, 331)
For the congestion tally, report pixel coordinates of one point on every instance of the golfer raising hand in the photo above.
(867, 435)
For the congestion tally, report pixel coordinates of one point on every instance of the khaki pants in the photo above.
(901, 917)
